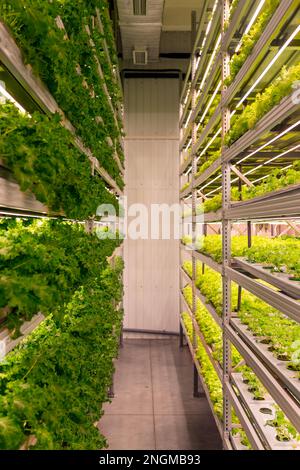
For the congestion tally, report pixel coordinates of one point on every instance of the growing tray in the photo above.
(278, 367)
(261, 411)
(280, 280)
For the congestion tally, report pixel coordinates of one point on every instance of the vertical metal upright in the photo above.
(226, 236)
(194, 197)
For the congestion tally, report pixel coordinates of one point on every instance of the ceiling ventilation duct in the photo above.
(140, 57)
(139, 7)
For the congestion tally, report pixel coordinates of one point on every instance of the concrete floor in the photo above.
(154, 407)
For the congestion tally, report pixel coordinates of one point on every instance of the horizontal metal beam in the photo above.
(216, 165)
(279, 394)
(277, 114)
(247, 425)
(207, 130)
(203, 384)
(13, 199)
(260, 48)
(279, 301)
(208, 261)
(11, 57)
(278, 368)
(213, 216)
(280, 280)
(284, 203)
(8, 344)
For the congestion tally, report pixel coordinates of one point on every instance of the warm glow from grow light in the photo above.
(281, 50)
(269, 142)
(209, 103)
(255, 169)
(209, 143)
(210, 61)
(255, 14)
(10, 98)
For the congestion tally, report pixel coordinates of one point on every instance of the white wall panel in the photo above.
(151, 148)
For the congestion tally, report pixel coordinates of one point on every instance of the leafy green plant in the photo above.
(49, 382)
(42, 264)
(211, 379)
(277, 179)
(284, 430)
(264, 321)
(249, 40)
(185, 186)
(40, 153)
(212, 334)
(280, 87)
(56, 59)
(208, 162)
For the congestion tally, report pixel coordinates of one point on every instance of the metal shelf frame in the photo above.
(13, 201)
(11, 57)
(280, 292)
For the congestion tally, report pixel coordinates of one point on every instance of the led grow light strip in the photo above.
(209, 103)
(10, 98)
(255, 169)
(209, 144)
(252, 153)
(255, 14)
(205, 37)
(271, 160)
(210, 61)
(269, 142)
(187, 121)
(188, 145)
(281, 50)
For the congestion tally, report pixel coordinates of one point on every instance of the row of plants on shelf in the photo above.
(42, 263)
(212, 334)
(208, 162)
(212, 380)
(281, 254)
(53, 385)
(56, 59)
(275, 180)
(249, 40)
(280, 87)
(266, 323)
(185, 186)
(42, 157)
(211, 111)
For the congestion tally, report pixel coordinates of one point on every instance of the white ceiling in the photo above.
(167, 24)
(140, 31)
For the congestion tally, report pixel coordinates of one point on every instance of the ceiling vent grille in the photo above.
(140, 57)
(139, 7)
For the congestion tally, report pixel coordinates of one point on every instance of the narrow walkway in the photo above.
(154, 407)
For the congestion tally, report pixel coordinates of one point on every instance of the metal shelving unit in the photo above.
(275, 135)
(23, 85)
(11, 198)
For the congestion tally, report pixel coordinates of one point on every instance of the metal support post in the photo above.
(181, 336)
(194, 203)
(196, 393)
(226, 238)
(249, 233)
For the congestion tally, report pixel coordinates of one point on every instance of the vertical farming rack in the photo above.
(238, 130)
(20, 85)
